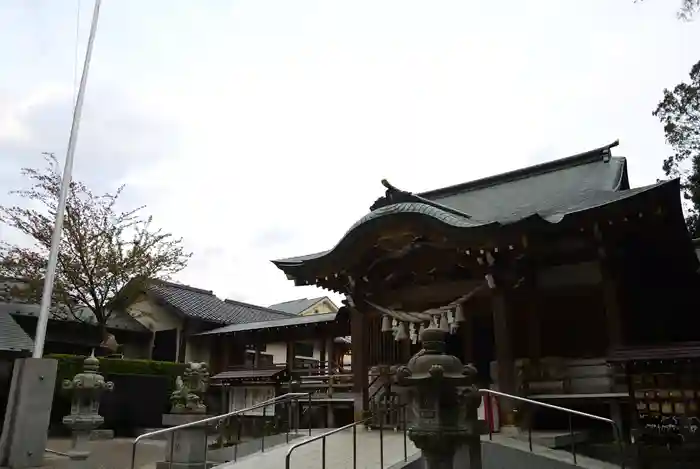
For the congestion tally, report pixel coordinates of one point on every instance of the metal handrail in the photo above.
(283, 398)
(354, 425)
(616, 429)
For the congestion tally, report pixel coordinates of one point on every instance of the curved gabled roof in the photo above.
(543, 194)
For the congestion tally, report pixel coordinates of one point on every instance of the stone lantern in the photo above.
(445, 401)
(86, 389)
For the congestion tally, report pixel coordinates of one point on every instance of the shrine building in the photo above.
(546, 277)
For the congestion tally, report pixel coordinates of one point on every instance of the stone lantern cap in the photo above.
(89, 380)
(432, 364)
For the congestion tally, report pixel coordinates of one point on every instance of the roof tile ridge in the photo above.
(182, 286)
(590, 156)
(261, 308)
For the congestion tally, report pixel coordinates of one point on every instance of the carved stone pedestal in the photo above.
(190, 444)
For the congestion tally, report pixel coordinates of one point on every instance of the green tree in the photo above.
(102, 250)
(687, 9)
(679, 112)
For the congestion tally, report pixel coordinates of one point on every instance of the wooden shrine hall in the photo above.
(540, 275)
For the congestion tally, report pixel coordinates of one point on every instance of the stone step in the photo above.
(555, 439)
(339, 452)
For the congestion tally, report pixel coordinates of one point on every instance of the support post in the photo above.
(466, 331)
(330, 423)
(359, 362)
(28, 412)
(256, 360)
(610, 292)
(225, 352)
(502, 329)
(322, 356)
(291, 354)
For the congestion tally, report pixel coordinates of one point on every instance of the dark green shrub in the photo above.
(70, 365)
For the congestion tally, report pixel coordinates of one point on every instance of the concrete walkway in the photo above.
(339, 452)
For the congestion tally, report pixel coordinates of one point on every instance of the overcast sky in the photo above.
(261, 129)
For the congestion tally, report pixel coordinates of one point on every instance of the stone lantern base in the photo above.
(190, 444)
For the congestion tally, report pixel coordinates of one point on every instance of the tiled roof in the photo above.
(12, 336)
(291, 320)
(247, 374)
(296, 306)
(246, 313)
(204, 305)
(118, 319)
(547, 193)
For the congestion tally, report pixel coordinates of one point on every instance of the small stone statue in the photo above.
(188, 446)
(187, 397)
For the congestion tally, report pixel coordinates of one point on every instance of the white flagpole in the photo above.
(50, 275)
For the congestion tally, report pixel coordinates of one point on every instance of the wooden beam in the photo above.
(421, 295)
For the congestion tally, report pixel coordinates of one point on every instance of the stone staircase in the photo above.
(500, 453)
(339, 452)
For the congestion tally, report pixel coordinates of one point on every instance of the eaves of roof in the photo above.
(558, 210)
(12, 336)
(297, 306)
(294, 321)
(203, 305)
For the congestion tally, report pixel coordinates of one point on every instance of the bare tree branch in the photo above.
(101, 251)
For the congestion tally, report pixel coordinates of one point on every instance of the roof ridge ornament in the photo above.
(394, 195)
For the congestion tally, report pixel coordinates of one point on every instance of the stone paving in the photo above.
(107, 454)
(556, 454)
(116, 453)
(339, 453)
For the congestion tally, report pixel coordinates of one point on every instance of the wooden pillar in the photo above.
(330, 350)
(466, 332)
(533, 316)
(225, 352)
(502, 329)
(609, 285)
(291, 353)
(256, 359)
(405, 348)
(359, 361)
(330, 369)
(323, 356)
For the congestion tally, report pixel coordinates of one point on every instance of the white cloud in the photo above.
(260, 130)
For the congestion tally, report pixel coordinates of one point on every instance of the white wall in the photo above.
(198, 349)
(156, 318)
(278, 350)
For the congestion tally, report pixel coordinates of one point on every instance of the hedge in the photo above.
(70, 365)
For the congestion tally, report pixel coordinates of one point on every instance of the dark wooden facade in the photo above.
(569, 262)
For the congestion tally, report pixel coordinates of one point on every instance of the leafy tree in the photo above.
(679, 111)
(687, 9)
(103, 252)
